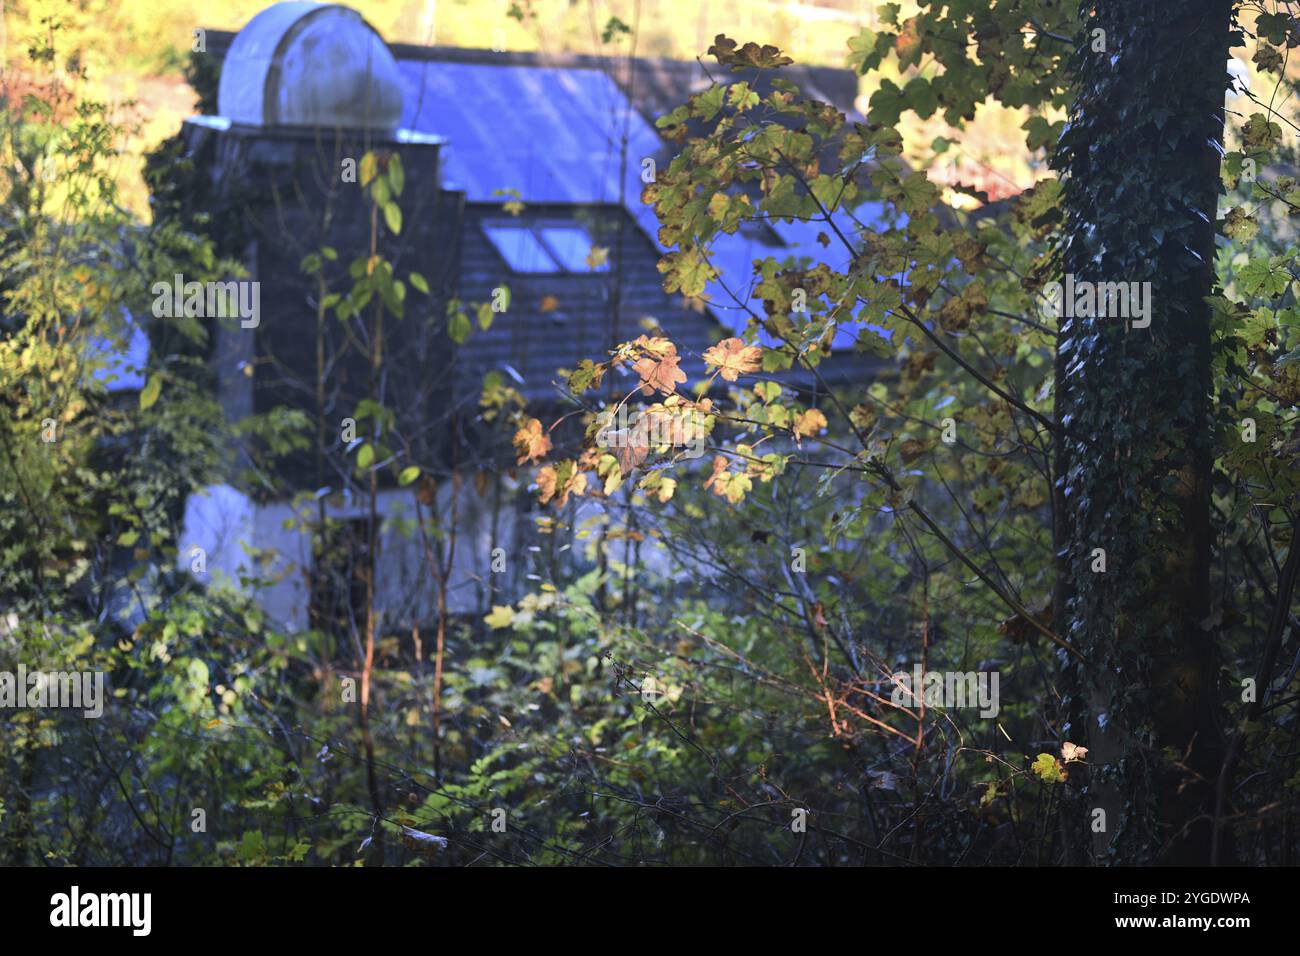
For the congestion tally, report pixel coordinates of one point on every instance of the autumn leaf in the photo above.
(727, 484)
(531, 442)
(597, 257)
(546, 482)
(686, 271)
(1049, 769)
(630, 447)
(1072, 752)
(659, 369)
(587, 375)
(809, 423)
(502, 616)
(549, 303)
(513, 206)
(750, 55)
(560, 481)
(734, 358)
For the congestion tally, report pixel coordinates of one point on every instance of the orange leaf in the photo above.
(809, 423)
(661, 371)
(734, 358)
(531, 442)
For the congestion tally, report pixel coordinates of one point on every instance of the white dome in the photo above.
(310, 64)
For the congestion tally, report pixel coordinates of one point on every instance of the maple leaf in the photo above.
(727, 484)
(597, 257)
(734, 358)
(1073, 752)
(809, 423)
(1049, 769)
(531, 442)
(560, 481)
(659, 369)
(630, 448)
(587, 375)
(750, 55)
(655, 345)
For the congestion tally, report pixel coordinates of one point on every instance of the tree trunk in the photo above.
(1141, 164)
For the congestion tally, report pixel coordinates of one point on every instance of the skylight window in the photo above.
(543, 247)
(571, 245)
(520, 247)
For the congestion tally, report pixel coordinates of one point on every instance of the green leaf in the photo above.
(458, 327)
(1263, 276)
(408, 475)
(886, 103)
(393, 218)
(149, 394)
(921, 96)
(366, 456)
(1047, 767)
(396, 175)
(420, 283)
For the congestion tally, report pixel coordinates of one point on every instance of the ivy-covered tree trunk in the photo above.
(1141, 161)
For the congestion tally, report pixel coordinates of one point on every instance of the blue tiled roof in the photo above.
(555, 135)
